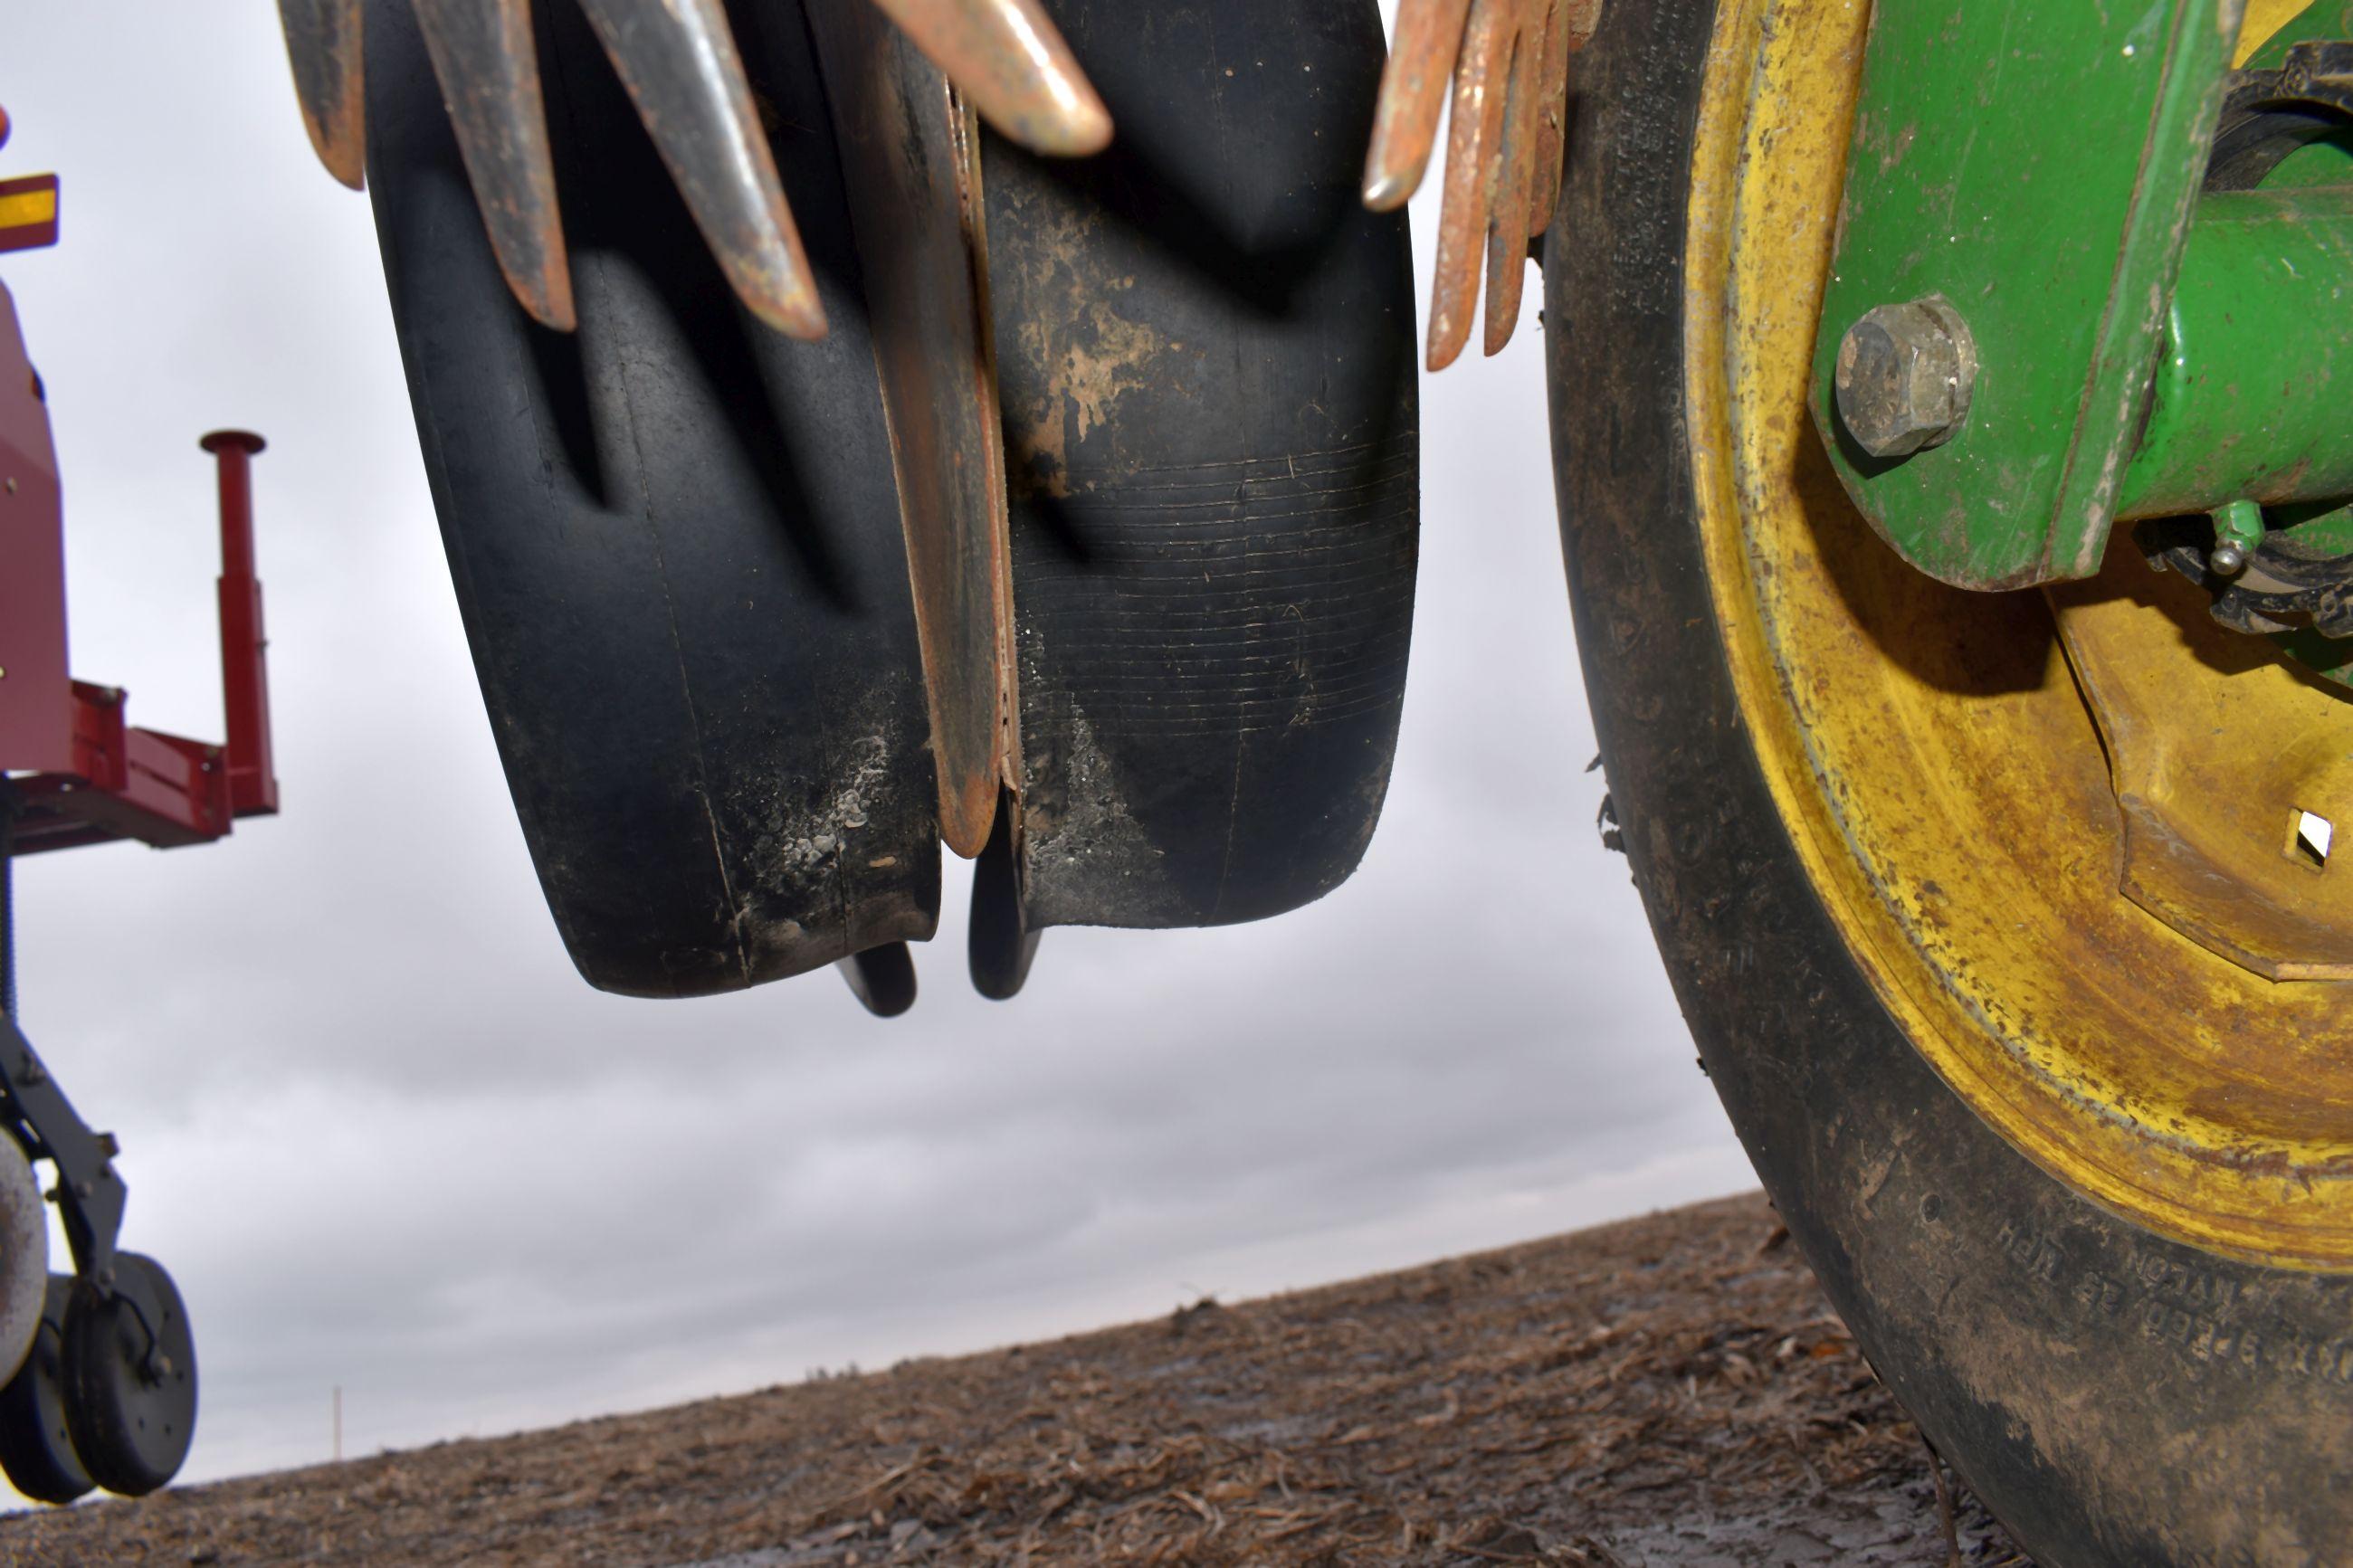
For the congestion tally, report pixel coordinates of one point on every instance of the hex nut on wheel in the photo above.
(1904, 375)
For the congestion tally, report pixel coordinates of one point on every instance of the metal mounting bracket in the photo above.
(1987, 171)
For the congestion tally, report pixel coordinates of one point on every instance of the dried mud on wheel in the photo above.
(1670, 1390)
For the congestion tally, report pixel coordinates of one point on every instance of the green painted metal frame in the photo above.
(2322, 529)
(2246, 404)
(1987, 167)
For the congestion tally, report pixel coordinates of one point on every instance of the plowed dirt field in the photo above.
(1668, 1391)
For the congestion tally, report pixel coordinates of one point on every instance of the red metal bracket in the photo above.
(166, 789)
(126, 782)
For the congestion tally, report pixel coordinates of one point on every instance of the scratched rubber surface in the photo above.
(1204, 348)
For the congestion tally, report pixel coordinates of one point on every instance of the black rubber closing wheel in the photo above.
(36, 1446)
(2121, 1397)
(130, 1385)
(1206, 356)
(674, 535)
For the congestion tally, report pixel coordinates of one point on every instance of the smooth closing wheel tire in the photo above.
(674, 537)
(1205, 357)
(2076, 1182)
(130, 1384)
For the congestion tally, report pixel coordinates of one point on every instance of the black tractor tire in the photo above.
(2115, 1397)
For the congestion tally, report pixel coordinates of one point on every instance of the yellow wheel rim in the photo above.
(1935, 764)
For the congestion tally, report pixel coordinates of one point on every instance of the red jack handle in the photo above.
(245, 667)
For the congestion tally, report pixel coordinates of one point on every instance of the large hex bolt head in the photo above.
(1905, 372)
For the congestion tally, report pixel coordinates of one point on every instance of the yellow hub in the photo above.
(1935, 764)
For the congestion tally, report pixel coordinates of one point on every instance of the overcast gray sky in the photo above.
(386, 1139)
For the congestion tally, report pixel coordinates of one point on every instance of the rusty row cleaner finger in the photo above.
(679, 62)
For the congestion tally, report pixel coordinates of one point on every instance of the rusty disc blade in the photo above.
(1570, 30)
(1552, 116)
(323, 44)
(485, 60)
(1010, 63)
(910, 153)
(1584, 16)
(1413, 90)
(679, 62)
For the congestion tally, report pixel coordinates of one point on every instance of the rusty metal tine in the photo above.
(678, 60)
(1010, 64)
(323, 44)
(1413, 89)
(1473, 133)
(1552, 118)
(488, 64)
(1507, 235)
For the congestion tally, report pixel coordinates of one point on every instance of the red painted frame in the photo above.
(82, 774)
